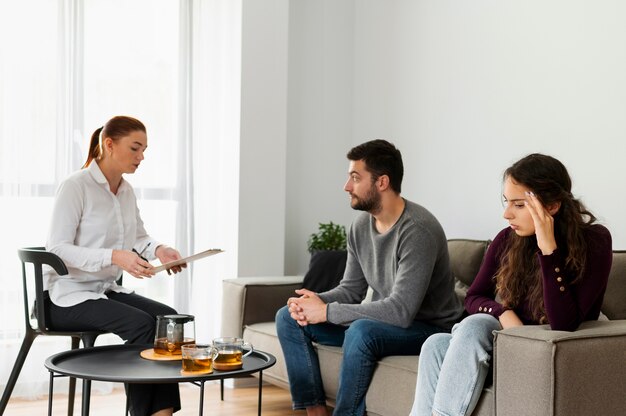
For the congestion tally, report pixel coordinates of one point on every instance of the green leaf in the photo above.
(330, 236)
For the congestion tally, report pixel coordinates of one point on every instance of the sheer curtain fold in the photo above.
(215, 112)
(70, 70)
(185, 214)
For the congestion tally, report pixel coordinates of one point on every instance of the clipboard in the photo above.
(189, 259)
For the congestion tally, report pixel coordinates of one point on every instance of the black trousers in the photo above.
(133, 318)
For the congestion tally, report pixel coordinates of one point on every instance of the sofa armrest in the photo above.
(558, 373)
(248, 300)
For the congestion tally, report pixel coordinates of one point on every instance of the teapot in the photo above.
(173, 331)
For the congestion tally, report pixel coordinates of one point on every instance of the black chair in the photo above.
(38, 256)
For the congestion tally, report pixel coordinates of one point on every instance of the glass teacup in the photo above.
(198, 358)
(230, 353)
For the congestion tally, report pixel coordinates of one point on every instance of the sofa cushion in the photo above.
(325, 270)
(263, 336)
(392, 389)
(466, 256)
(614, 305)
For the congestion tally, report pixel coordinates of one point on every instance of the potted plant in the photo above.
(328, 257)
(330, 236)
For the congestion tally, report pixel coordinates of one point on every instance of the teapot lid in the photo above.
(178, 319)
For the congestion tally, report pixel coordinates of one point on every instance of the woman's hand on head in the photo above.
(133, 264)
(544, 224)
(166, 254)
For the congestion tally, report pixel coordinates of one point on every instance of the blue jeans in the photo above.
(453, 367)
(364, 342)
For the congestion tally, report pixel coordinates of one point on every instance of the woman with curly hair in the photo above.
(550, 266)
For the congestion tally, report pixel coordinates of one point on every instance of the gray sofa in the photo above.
(536, 371)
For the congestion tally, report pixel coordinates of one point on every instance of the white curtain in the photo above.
(173, 65)
(215, 119)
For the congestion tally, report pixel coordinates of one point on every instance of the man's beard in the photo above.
(370, 202)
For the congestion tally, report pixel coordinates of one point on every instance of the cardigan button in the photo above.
(556, 269)
(562, 288)
(559, 279)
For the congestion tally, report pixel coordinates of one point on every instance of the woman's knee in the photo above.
(436, 342)
(167, 310)
(475, 333)
(480, 323)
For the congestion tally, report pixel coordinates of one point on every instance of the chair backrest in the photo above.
(38, 256)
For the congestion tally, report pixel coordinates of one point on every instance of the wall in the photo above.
(263, 138)
(319, 122)
(464, 89)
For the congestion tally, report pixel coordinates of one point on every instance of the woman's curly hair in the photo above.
(519, 276)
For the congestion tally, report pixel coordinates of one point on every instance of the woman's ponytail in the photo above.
(94, 147)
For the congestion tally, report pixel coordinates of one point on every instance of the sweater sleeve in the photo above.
(353, 285)
(481, 296)
(569, 303)
(417, 255)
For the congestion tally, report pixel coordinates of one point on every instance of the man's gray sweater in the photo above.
(407, 267)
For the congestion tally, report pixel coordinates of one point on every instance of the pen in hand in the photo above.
(140, 254)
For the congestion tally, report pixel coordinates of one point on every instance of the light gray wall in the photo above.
(262, 173)
(463, 89)
(319, 122)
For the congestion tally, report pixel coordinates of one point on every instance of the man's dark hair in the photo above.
(381, 158)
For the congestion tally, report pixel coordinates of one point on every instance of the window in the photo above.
(60, 79)
(68, 66)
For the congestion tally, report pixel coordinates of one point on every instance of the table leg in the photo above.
(86, 397)
(222, 389)
(201, 398)
(50, 389)
(260, 390)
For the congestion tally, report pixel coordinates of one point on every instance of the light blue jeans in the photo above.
(364, 342)
(453, 367)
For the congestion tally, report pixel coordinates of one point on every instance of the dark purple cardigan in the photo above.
(567, 305)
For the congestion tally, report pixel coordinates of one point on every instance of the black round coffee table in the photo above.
(123, 364)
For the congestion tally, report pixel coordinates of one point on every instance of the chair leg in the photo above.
(17, 367)
(72, 389)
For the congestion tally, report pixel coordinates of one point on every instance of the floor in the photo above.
(240, 400)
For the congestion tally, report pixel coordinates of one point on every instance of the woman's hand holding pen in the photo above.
(132, 263)
(167, 254)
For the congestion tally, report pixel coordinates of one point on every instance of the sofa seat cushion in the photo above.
(391, 390)
(263, 336)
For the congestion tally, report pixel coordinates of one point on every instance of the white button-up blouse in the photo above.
(88, 223)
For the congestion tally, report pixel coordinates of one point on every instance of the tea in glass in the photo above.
(165, 347)
(172, 332)
(230, 353)
(198, 358)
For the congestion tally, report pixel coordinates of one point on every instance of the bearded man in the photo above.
(399, 250)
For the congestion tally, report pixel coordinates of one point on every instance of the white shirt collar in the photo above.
(99, 177)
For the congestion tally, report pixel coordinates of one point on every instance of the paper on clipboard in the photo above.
(188, 259)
